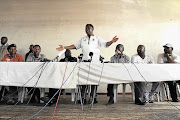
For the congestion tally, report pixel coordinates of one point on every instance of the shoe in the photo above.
(95, 101)
(110, 102)
(45, 99)
(50, 103)
(175, 100)
(141, 103)
(151, 101)
(138, 102)
(10, 101)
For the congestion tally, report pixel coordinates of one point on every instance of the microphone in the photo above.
(91, 54)
(80, 57)
(101, 58)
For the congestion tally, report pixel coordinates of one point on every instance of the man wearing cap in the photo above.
(12, 57)
(169, 57)
(119, 57)
(3, 47)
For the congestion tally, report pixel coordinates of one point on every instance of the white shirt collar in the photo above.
(3, 45)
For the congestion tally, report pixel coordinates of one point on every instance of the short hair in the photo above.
(37, 46)
(12, 45)
(117, 47)
(4, 38)
(31, 45)
(90, 25)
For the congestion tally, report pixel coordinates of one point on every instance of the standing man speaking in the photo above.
(89, 43)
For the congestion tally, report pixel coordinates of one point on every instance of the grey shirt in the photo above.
(118, 58)
(32, 58)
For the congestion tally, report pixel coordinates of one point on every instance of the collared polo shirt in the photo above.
(91, 44)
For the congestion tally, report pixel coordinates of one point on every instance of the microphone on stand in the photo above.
(80, 57)
(101, 58)
(91, 55)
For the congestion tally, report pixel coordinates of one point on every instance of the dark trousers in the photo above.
(110, 91)
(172, 89)
(140, 91)
(52, 91)
(36, 93)
(83, 89)
(1, 91)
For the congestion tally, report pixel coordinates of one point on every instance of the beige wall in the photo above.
(50, 23)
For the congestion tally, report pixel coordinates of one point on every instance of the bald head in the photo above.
(141, 50)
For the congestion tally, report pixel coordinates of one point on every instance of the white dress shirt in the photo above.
(137, 59)
(91, 45)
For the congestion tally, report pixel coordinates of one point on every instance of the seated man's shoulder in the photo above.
(126, 55)
(161, 55)
(136, 55)
(19, 55)
(30, 54)
(42, 55)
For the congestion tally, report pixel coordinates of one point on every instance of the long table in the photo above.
(50, 75)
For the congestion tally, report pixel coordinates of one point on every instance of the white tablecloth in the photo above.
(116, 73)
(20, 73)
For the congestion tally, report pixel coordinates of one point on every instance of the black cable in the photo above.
(82, 102)
(79, 92)
(94, 92)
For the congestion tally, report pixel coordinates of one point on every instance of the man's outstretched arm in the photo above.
(112, 41)
(61, 47)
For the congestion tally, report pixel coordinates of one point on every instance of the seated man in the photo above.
(3, 47)
(12, 57)
(31, 47)
(3, 51)
(119, 57)
(141, 94)
(68, 57)
(169, 57)
(35, 57)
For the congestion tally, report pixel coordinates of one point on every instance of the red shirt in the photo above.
(16, 58)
